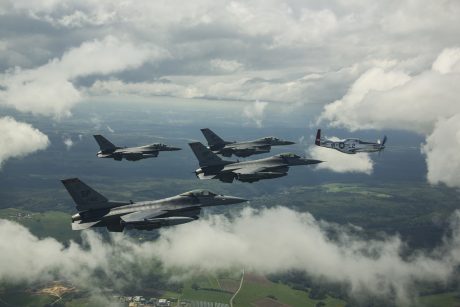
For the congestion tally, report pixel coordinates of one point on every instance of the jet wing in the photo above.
(240, 146)
(140, 216)
(136, 150)
(156, 214)
(245, 170)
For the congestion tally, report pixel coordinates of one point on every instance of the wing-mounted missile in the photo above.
(154, 223)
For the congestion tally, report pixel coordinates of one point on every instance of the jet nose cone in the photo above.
(288, 143)
(174, 148)
(228, 200)
(312, 161)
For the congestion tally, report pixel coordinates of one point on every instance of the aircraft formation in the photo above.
(95, 210)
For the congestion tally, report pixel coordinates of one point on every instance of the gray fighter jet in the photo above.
(350, 146)
(108, 150)
(94, 210)
(213, 167)
(241, 149)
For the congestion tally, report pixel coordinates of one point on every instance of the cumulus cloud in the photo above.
(441, 149)
(19, 139)
(425, 103)
(339, 162)
(49, 89)
(255, 112)
(375, 267)
(277, 41)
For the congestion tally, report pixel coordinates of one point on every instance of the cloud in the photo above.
(425, 103)
(226, 66)
(276, 41)
(441, 149)
(19, 139)
(255, 112)
(340, 162)
(375, 267)
(50, 89)
(68, 142)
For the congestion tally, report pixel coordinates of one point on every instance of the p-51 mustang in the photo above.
(108, 150)
(213, 167)
(241, 149)
(94, 210)
(350, 146)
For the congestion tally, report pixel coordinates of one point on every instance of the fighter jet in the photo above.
(350, 146)
(213, 167)
(95, 210)
(241, 149)
(108, 150)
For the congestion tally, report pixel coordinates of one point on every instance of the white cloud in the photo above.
(425, 103)
(340, 162)
(255, 112)
(48, 89)
(68, 142)
(226, 66)
(19, 139)
(442, 152)
(374, 267)
(448, 61)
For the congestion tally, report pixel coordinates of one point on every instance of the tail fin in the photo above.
(205, 156)
(104, 144)
(384, 140)
(318, 137)
(84, 197)
(212, 138)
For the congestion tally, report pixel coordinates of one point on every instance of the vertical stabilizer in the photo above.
(318, 137)
(205, 156)
(213, 139)
(104, 144)
(84, 197)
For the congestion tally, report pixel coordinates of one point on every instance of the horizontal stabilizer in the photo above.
(81, 226)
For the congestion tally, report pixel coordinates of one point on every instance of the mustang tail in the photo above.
(318, 137)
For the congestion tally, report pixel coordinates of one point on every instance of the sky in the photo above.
(379, 65)
(362, 65)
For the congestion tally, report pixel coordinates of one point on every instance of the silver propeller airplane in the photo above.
(108, 150)
(350, 146)
(241, 149)
(95, 210)
(213, 167)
